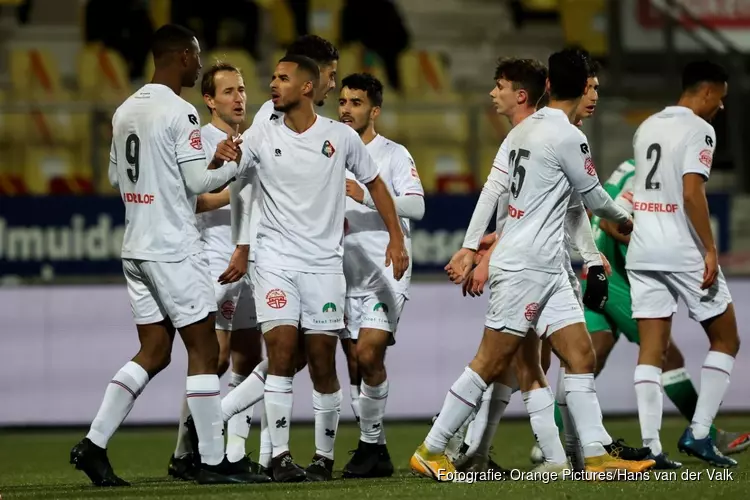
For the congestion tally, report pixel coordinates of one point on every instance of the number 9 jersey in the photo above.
(154, 132)
(668, 145)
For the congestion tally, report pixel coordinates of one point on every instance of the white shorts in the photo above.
(181, 291)
(379, 310)
(560, 311)
(655, 293)
(518, 297)
(310, 300)
(235, 304)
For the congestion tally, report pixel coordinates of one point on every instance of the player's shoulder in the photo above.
(396, 149)
(337, 129)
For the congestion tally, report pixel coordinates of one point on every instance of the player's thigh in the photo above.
(144, 301)
(562, 309)
(701, 304)
(651, 295)
(184, 289)
(277, 297)
(619, 310)
(245, 316)
(381, 311)
(322, 302)
(352, 317)
(517, 298)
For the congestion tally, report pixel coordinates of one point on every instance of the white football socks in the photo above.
(266, 447)
(648, 394)
(238, 427)
(327, 409)
(246, 394)
(354, 395)
(459, 403)
(372, 403)
(119, 397)
(540, 405)
(204, 400)
(183, 449)
(498, 403)
(715, 375)
(278, 400)
(583, 405)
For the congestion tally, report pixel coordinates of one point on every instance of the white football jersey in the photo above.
(153, 132)
(303, 179)
(367, 238)
(499, 174)
(215, 224)
(668, 145)
(548, 157)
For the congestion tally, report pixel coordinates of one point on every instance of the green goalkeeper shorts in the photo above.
(617, 315)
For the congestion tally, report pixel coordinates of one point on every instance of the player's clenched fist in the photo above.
(229, 150)
(397, 255)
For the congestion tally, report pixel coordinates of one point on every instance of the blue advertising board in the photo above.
(82, 236)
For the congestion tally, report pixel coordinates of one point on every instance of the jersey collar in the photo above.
(679, 109)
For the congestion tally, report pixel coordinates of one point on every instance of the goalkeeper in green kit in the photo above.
(606, 326)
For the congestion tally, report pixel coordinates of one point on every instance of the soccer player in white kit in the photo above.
(672, 255)
(158, 162)
(301, 160)
(374, 298)
(549, 158)
(251, 391)
(223, 92)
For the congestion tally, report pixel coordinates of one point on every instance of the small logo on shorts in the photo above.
(329, 307)
(227, 309)
(276, 299)
(379, 306)
(531, 311)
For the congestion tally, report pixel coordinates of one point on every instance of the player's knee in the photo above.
(581, 359)
(369, 358)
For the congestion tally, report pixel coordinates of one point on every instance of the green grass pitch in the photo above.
(34, 465)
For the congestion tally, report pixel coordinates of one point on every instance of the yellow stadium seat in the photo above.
(35, 75)
(148, 70)
(444, 120)
(325, 18)
(160, 12)
(43, 163)
(102, 75)
(282, 21)
(583, 23)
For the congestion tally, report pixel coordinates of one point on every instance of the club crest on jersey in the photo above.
(706, 157)
(589, 166)
(195, 140)
(328, 149)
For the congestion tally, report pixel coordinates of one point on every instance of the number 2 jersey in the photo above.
(153, 132)
(668, 145)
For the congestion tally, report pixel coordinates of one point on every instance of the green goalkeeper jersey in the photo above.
(619, 187)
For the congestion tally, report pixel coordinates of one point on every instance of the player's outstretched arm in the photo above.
(696, 209)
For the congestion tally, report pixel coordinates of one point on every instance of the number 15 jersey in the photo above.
(154, 132)
(668, 145)
(548, 157)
